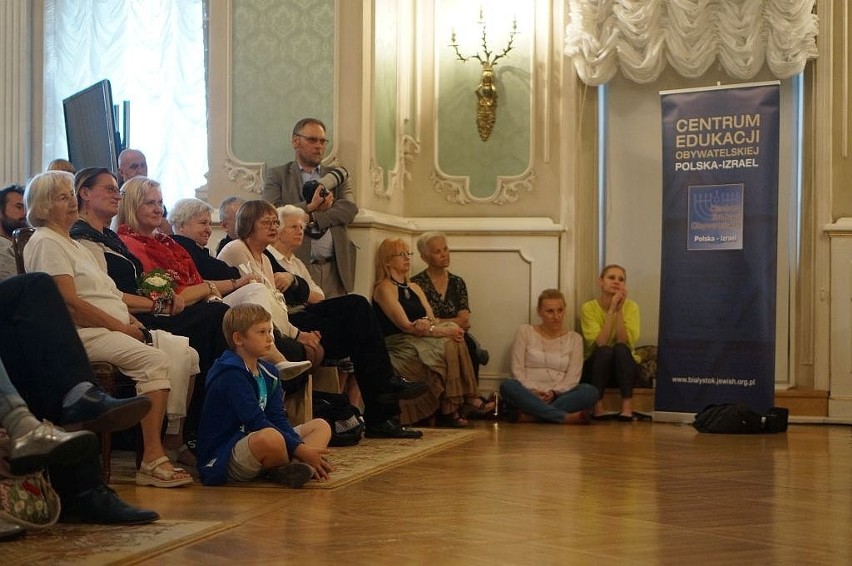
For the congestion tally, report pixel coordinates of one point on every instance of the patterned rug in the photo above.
(352, 463)
(372, 456)
(100, 544)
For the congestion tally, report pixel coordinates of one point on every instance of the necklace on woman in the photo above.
(403, 286)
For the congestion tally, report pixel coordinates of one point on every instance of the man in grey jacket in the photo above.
(327, 251)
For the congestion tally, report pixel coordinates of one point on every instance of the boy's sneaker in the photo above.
(294, 474)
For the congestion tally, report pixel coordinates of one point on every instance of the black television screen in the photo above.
(90, 127)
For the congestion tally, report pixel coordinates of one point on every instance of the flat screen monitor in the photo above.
(90, 128)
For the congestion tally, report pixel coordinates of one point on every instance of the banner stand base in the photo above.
(672, 417)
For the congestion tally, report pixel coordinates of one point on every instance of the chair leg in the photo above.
(106, 455)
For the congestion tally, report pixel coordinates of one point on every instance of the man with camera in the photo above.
(324, 193)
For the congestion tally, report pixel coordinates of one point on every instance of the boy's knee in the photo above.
(266, 441)
(316, 426)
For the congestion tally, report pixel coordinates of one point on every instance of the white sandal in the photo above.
(150, 473)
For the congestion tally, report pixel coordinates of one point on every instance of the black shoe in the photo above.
(10, 531)
(98, 412)
(47, 444)
(398, 388)
(102, 506)
(390, 429)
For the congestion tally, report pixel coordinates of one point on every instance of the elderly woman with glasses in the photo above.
(342, 326)
(419, 344)
(139, 216)
(107, 329)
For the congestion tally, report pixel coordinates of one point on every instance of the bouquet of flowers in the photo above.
(159, 286)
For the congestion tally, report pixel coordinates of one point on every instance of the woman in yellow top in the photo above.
(610, 327)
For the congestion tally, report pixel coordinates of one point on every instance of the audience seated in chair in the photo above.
(343, 326)
(282, 256)
(447, 294)
(13, 215)
(139, 215)
(108, 331)
(420, 346)
(48, 366)
(228, 220)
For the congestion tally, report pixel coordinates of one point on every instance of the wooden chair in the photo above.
(107, 375)
(299, 405)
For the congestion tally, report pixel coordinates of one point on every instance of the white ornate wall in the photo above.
(840, 399)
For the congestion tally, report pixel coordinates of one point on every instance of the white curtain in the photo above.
(152, 52)
(640, 36)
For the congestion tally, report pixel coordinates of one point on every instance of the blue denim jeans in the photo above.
(9, 398)
(581, 397)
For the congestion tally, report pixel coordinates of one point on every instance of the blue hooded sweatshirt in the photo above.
(232, 410)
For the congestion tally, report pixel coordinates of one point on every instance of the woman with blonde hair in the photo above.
(107, 329)
(610, 326)
(419, 345)
(547, 360)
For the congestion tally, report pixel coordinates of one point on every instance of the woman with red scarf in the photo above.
(139, 216)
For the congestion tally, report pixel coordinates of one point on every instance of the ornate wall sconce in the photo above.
(486, 92)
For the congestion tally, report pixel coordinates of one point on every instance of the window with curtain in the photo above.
(152, 52)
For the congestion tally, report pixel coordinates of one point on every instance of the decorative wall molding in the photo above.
(511, 186)
(247, 176)
(407, 148)
(457, 189)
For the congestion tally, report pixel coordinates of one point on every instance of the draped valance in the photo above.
(639, 37)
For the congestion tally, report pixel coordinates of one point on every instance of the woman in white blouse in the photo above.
(107, 329)
(547, 360)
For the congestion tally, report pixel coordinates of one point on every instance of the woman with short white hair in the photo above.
(107, 329)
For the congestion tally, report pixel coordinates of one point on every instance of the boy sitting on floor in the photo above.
(243, 429)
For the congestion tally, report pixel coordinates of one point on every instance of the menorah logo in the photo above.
(715, 217)
(719, 200)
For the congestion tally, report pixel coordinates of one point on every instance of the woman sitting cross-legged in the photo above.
(419, 346)
(107, 329)
(547, 360)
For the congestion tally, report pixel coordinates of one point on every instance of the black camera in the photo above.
(334, 178)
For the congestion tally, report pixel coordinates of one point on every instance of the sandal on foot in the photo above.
(450, 420)
(481, 407)
(182, 455)
(152, 473)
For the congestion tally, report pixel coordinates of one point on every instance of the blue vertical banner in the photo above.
(719, 240)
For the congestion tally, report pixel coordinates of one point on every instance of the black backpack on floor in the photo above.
(737, 418)
(347, 424)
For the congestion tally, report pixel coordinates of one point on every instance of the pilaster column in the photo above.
(15, 80)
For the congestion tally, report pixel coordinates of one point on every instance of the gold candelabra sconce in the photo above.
(486, 92)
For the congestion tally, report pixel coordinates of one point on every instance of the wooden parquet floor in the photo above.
(635, 493)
